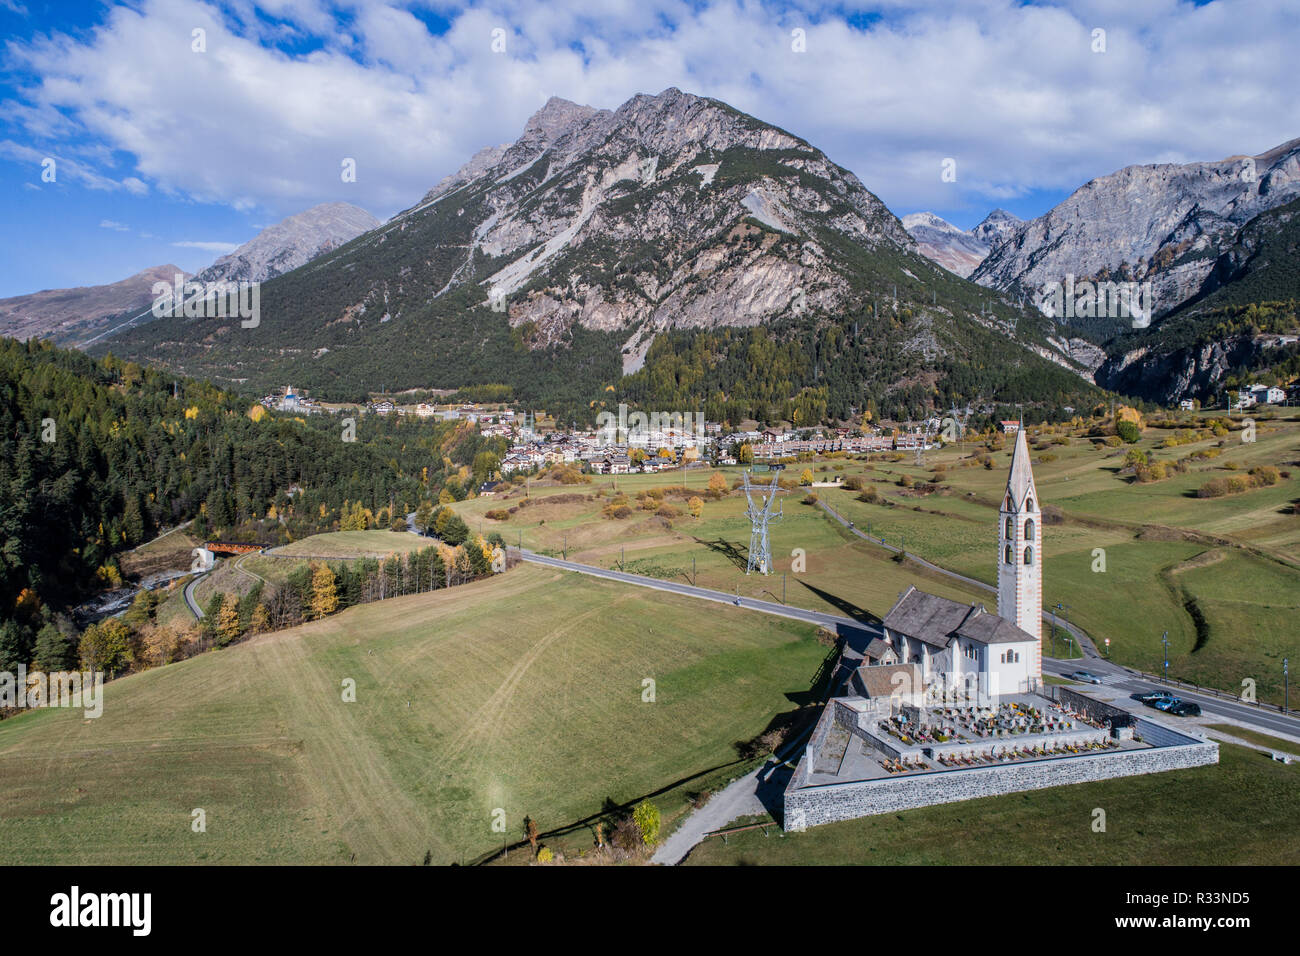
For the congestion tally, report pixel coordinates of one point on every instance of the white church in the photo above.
(935, 649)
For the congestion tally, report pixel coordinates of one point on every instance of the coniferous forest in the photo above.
(97, 457)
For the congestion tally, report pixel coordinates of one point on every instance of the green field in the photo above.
(522, 693)
(1190, 817)
(355, 544)
(1126, 561)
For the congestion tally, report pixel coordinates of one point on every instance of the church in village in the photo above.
(935, 649)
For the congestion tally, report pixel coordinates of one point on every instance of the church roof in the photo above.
(936, 621)
(1021, 479)
(882, 680)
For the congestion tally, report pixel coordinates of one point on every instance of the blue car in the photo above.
(1166, 703)
(1155, 697)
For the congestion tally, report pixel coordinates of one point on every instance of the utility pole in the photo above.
(692, 570)
(782, 587)
(1286, 686)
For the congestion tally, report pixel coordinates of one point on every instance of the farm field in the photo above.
(521, 694)
(1151, 820)
(1121, 558)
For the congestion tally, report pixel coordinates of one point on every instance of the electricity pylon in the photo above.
(760, 516)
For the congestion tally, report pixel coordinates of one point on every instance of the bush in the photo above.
(617, 511)
(869, 495)
(544, 855)
(853, 483)
(497, 514)
(1265, 475)
(1127, 432)
(646, 818)
(810, 498)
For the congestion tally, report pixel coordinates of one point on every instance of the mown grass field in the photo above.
(520, 694)
(1243, 812)
(1127, 561)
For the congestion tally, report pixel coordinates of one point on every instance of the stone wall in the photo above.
(807, 806)
(1092, 708)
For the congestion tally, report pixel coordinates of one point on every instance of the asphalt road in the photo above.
(857, 631)
(189, 597)
(1121, 679)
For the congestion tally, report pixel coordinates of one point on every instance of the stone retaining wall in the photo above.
(807, 806)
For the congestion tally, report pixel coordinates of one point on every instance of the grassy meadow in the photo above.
(514, 696)
(1125, 560)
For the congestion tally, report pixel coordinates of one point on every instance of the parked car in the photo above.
(1154, 697)
(1084, 676)
(1166, 704)
(1186, 708)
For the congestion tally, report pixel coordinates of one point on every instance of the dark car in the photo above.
(1185, 708)
(1085, 676)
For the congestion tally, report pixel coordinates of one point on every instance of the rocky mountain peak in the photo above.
(290, 243)
(1163, 223)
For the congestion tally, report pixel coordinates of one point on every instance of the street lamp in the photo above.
(1286, 687)
(1165, 641)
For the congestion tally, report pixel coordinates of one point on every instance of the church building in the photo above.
(963, 650)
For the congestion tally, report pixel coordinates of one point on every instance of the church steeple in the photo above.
(1020, 564)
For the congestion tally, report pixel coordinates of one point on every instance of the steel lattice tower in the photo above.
(760, 516)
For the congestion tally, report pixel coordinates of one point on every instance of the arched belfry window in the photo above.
(1029, 504)
(1011, 528)
(1029, 555)
(1007, 506)
(1007, 555)
(1029, 529)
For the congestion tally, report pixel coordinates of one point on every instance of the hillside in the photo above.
(1168, 224)
(73, 316)
(518, 696)
(98, 457)
(560, 263)
(1223, 333)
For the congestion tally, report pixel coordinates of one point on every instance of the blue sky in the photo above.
(168, 153)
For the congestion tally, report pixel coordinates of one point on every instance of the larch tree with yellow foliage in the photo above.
(228, 621)
(324, 591)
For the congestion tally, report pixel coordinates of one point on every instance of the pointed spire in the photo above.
(1021, 479)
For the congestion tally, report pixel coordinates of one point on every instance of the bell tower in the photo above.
(1020, 551)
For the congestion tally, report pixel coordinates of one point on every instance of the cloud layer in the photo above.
(262, 108)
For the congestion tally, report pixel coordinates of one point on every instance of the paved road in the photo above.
(1124, 680)
(189, 597)
(841, 625)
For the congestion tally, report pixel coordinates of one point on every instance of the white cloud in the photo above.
(111, 224)
(221, 248)
(1013, 92)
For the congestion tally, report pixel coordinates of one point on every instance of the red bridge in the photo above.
(231, 547)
